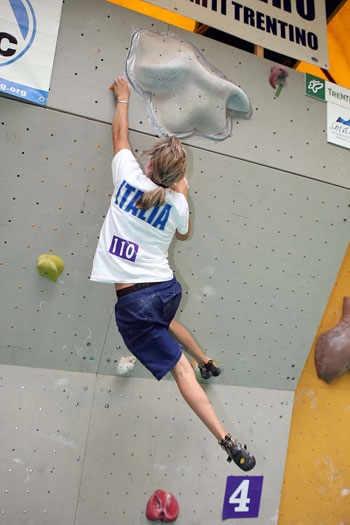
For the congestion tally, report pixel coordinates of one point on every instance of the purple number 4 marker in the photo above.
(242, 497)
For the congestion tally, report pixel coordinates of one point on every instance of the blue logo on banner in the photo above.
(15, 42)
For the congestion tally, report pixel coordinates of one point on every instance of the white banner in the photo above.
(337, 94)
(295, 28)
(28, 38)
(338, 114)
(338, 125)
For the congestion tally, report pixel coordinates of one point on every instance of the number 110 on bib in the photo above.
(242, 497)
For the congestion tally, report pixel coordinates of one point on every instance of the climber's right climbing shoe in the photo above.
(237, 453)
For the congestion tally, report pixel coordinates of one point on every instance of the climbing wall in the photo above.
(270, 211)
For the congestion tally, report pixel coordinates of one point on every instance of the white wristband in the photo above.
(122, 102)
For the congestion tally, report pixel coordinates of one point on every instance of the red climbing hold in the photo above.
(277, 73)
(162, 506)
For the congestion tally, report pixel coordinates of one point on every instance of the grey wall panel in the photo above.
(287, 132)
(79, 449)
(256, 271)
(165, 446)
(55, 181)
(45, 421)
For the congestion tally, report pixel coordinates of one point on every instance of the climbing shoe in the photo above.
(238, 453)
(209, 369)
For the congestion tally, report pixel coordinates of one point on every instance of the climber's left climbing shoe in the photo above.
(209, 369)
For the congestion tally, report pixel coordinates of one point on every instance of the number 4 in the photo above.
(240, 496)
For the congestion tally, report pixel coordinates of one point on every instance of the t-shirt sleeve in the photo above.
(183, 215)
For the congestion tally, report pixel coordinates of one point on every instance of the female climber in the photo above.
(147, 210)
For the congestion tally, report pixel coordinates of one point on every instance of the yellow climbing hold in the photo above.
(50, 266)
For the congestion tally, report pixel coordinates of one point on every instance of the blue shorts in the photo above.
(143, 318)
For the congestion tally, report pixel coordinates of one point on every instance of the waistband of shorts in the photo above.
(136, 287)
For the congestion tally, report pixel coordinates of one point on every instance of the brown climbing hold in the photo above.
(332, 350)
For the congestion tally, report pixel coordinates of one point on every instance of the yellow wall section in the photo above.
(338, 49)
(158, 13)
(316, 488)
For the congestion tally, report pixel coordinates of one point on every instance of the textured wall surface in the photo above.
(83, 449)
(256, 271)
(270, 212)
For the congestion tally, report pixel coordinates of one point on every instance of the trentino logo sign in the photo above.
(19, 37)
(338, 108)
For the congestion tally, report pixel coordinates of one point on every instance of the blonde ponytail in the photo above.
(168, 160)
(152, 198)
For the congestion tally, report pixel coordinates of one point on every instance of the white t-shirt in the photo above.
(133, 244)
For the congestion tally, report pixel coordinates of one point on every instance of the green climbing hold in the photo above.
(50, 266)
